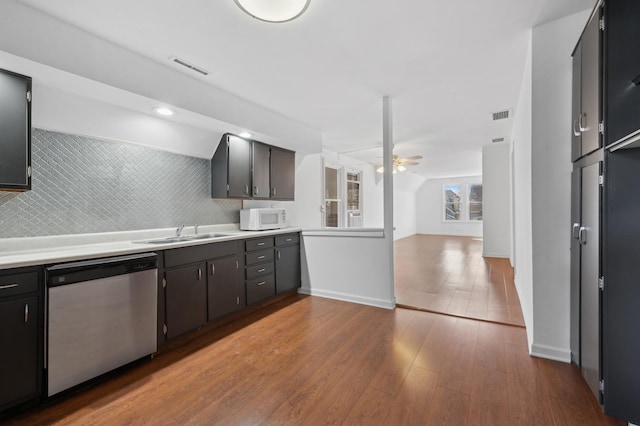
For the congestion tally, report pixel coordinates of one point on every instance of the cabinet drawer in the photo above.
(260, 289)
(257, 270)
(287, 239)
(21, 283)
(259, 257)
(192, 254)
(258, 243)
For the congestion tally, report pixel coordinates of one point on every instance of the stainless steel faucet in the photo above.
(179, 230)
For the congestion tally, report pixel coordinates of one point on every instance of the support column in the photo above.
(387, 152)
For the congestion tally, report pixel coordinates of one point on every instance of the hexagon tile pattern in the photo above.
(86, 185)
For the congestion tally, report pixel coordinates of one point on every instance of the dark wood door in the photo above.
(591, 87)
(589, 277)
(186, 299)
(261, 183)
(224, 279)
(287, 268)
(283, 174)
(623, 68)
(239, 167)
(576, 221)
(19, 354)
(621, 294)
(15, 131)
(576, 104)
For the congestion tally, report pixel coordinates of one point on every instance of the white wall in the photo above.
(350, 268)
(405, 221)
(430, 214)
(542, 157)
(521, 146)
(496, 200)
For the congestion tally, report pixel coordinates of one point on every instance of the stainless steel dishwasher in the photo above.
(102, 314)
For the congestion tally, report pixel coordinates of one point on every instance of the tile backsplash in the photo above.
(86, 185)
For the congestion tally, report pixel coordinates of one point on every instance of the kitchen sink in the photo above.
(174, 239)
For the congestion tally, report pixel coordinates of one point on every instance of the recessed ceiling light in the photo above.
(163, 111)
(245, 134)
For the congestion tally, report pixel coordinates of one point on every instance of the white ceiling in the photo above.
(447, 64)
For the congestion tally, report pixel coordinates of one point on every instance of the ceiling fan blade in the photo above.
(409, 163)
(415, 157)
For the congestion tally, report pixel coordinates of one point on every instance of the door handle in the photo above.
(576, 131)
(575, 230)
(581, 127)
(582, 235)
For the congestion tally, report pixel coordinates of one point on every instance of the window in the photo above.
(332, 197)
(342, 204)
(462, 202)
(354, 199)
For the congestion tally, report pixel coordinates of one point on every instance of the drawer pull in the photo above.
(262, 283)
(289, 239)
(261, 244)
(261, 270)
(6, 286)
(26, 312)
(261, 257)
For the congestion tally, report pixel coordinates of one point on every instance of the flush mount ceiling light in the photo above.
(163, 111)
(274, 10)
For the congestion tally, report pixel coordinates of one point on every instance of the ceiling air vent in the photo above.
(188, 65)
(500, 115)
(495, 140)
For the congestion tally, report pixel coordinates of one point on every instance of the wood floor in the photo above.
(310, 361)
(449, 275)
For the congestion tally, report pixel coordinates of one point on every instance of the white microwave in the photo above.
(262, 219)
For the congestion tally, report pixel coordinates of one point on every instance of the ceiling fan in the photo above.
(399, 164)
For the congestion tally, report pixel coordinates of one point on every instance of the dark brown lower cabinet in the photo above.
(224, 287)
(287, 254)
(20, 337)
(185, 299)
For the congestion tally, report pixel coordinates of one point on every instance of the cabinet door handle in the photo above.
(261, 257)
(576, 131)
(6, 286)
(575, 231)
(262, 283)
(582, 235)
(256, 190)
(26, 312)
(278, 254)
(583, 128)
(213, 269)
(246, 189)
(273, 190)
(261, 270)
(199, 274)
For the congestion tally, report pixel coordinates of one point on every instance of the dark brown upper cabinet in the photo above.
(15, 131)
(243, 168)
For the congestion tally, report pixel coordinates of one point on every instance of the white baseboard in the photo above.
(378, 303)
(499, 255)
(549, 352)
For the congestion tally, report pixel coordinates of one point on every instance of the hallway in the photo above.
(447, 274)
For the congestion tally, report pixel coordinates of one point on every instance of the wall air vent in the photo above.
(497, 140)
(188, 65)
(500, 115)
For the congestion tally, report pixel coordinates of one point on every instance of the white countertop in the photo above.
(29, 251)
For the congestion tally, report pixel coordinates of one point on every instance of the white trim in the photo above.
(550, 352)
(499, 255)
(344, 232)
(345, 297)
